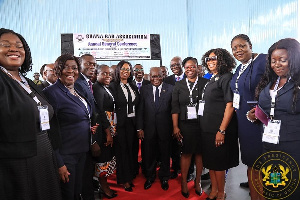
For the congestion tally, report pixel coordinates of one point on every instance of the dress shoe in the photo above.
(148, 184)
(128, 189)
(190, 177)
(132, 185)
(165, 185)
(185, 194)
(205, 176)
(244, 185)
(199, 193)
(174, 175)
(113, 195)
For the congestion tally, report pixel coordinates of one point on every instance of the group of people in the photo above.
(56, 136)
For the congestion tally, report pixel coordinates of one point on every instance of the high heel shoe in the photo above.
(128, 189)
(185, 194)
(210, 198)
(113, 195)
(199, 193)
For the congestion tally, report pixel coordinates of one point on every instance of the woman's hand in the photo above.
(219, 139)
(177, 134)
(95, 149)
(94, 128)
(251, 114)
(109, 140)
(140, 134)
(64, 174)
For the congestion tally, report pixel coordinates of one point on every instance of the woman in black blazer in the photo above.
(186, 127)
(126, 141)
(27, 168)
(279, 86)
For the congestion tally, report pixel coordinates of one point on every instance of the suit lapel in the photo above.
(288, 86)
(150, 95)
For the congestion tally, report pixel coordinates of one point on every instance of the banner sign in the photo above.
(113, 46)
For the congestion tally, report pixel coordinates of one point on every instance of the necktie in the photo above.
(129, 101)
(156, 98)
(91, 86)
(139, 85)
(178, 78)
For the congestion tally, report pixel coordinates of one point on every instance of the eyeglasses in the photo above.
(240, 46)
(90, 64)
(213, 58)
(125, 69)
(190, 67)
(139, 70)
(6, 44)
(74, 68)
(153, 77)
(174, 65)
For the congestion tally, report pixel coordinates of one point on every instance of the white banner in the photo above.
(113, 46)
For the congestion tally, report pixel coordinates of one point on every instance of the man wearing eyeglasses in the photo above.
(139, 80)
(48, 74)
(154, 125)
(176, 68)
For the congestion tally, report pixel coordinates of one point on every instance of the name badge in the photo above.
(115, 118)
(236, 100)
(271, 132)
(44, 117)
(191, 112)
(201, 107)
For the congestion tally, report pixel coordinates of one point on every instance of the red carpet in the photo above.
(155, 192)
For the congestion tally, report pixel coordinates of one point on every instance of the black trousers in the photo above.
(87, 179)
(75, 165)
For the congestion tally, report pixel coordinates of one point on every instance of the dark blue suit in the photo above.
(74, 122)
(289, 140)
(157, 126)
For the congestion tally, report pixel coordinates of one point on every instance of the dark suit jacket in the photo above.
(82, 86)
(18, 119)
(43, 85)
(151, 120)
(121, 102)
(73, 118)
(171, 79)
(290, 121)
(180, 96)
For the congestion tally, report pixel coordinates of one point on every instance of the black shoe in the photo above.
(185, 194)
(199, 193)
(210, 198)
(128, 189)
(165, 185)
(113, 195)
(132, 185)
(244, 185)
(174, 175)
(190, 177)
(205, 176)
(148, 184)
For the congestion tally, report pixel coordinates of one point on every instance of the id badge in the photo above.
(271, 132)
(131, 114)
(191, 112)
(115, 118)
(236, 100)
(201, 107)
(44, 117)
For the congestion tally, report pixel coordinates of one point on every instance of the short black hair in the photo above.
(242, 36)
(118, 68)
(189, 58)
(27, 64)
(42, 69)
(100, 67)
(225, 60)
(61, 61)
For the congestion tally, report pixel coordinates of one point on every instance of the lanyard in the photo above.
(27, 89)
(241, 71)
(191, 90)
(206, 85)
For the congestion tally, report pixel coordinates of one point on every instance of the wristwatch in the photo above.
(222, 131)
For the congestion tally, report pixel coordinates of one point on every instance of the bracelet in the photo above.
(252, 121)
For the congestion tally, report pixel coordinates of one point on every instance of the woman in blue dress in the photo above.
(243, 85)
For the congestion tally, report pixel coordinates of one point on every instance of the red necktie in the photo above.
(91, 86)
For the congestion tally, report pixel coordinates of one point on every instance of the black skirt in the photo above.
(34, 178)
(191, 132)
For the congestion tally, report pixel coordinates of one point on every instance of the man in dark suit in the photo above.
(176, 68)
(154, 124)
(84, 86)
(47, 72)
(139, 80)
